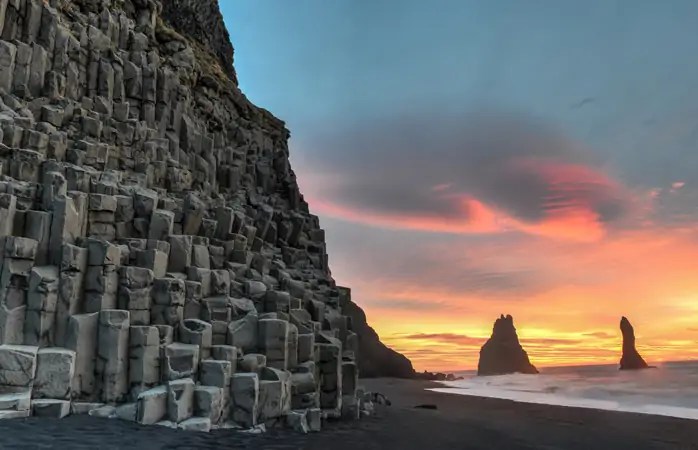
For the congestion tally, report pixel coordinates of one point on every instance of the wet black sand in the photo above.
(460, 422)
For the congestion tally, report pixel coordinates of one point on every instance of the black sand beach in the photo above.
(460, 422)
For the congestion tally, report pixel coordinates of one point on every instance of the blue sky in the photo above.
(461, 153)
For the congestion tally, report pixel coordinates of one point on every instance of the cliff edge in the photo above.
(630, 359)
(502, 353)
(202, 21)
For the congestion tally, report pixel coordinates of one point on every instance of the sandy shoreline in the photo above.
(460, 422)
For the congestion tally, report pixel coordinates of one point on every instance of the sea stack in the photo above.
(631, 359)
(502, 353)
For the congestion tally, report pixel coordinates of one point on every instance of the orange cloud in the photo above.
(595, 252)
(574, 199)
(479, 219)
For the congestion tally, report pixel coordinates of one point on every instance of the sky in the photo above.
(471, 158)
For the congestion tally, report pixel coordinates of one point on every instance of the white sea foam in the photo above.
(670, 390)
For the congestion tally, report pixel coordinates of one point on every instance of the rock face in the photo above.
(374, 358)
(157, 260)
(502, 353)
(201, 20)
(631, 359)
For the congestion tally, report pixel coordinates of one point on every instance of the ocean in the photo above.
(669, 390)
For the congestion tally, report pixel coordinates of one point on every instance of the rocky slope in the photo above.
(375, 359)
(158, 262)
(502, 353)
(630, 359)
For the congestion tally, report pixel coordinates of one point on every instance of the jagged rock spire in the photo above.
(502, 353)
(631, 359)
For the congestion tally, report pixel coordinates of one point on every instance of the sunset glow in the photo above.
(541, 165)
(583, 275)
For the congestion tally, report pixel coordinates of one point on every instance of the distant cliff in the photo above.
(375, 359)
(502, 353)
(631, 359)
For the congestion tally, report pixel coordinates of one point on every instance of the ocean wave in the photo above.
(671, 390)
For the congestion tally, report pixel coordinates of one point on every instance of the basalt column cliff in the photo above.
(158, 262)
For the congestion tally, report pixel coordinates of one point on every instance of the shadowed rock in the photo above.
(631, 359)
(375, 359)
(502, 353)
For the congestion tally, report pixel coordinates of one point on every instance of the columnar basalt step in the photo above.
(157, 260)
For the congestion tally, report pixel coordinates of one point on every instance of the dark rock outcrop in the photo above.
(631, 359)
(374, 358)
(437, 376)
(502, 353)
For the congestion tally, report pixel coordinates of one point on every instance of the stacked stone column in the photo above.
(157, 262)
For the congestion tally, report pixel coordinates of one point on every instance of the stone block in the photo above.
(8, 53)
(277, 301)
(297, 420)
(151, 405)
(55, 369)
(144, 358)
(82, 337)
(179, 361)
(273, 342)
(169, 292)
(54, 409)
(350, 377)
(19, 247)
(202, 424)
(65, 227)
(202, 276)
(243, 333)
(306, 347)
(209, 402)
(154, 260)
(215, 373)
(136, 277)
(180, 253)
(12, 318)
(244, 391)
(225, 353)
(38, 228)
(220, 282)
(161, 224)
(314, 418)
(102, 253)
(111, 366)
(252, 363)
(180, 399)
(196, 332)
(17, 365)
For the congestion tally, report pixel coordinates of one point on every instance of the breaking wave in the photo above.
(670, 390)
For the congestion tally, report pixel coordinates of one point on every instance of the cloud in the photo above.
(600, 335)
(450, 338)
(465, 340)
(483, 172)
(407, 305)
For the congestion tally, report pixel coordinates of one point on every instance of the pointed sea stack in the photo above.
(502, 353)
(631, 359)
